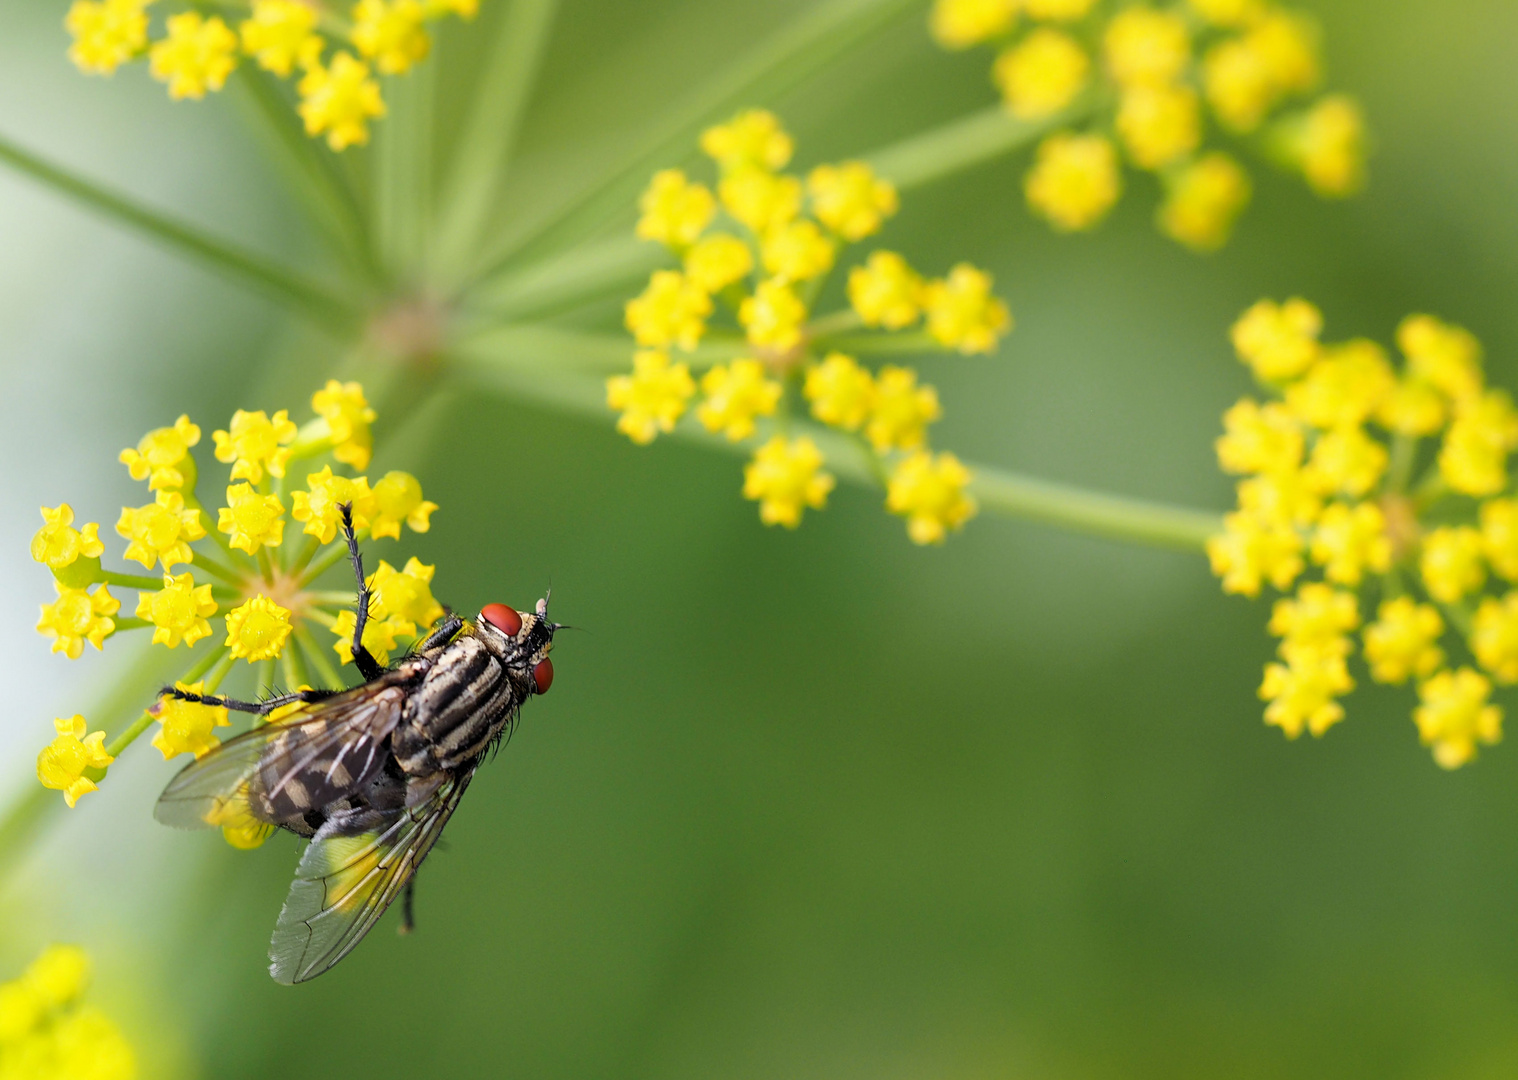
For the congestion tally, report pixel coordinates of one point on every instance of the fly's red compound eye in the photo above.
(502, 618)
(542, 675)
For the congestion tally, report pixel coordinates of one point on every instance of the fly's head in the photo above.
(520, 640)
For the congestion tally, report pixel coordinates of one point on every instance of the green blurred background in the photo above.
(818, 804)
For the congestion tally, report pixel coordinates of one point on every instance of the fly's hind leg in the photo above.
(408, 918)
(367, 666)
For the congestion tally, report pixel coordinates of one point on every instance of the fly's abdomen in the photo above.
(461, 704)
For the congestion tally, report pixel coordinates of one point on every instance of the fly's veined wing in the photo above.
(356, 865)
(324, 752)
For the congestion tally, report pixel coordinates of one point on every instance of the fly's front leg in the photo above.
(450, 625)
(257, 708)
(367, 666)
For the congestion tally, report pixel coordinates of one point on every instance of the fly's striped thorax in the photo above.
(462, 702)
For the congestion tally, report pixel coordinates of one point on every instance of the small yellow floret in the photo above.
(397, 499)
(185, 726)
(841, 392)
(1346, 461)
(1283, 498)
(197, 55)
(675, 211)
(161, 531)
(1414, 407)
(1345, 388)
(1159, 124)
(963, 313)
(58, 977)
(404, 595)
(1057, 10)
(1246, 76)
(1041, 74)
(736, 393)
(798, 251)
(1302, 692)
(901, 410)
(281, 35)
(1250, 552)
(652, 398)
(1351, 539)
(1228, 12)
(1444, 356)
(348, 416)
(106, 34)
(1451, 563)
(379, 635)
(759, 199)
(850, 199)
(163, 458)
(1494, 637)
(1404, 641)
(256, 443)
(258, 629)
(930, 492)
(885, 291)
(320, 508)
(62, 762)
(1455, 715)
(1319, 615)
(1260, 438)
(1205, 199)
(1499, 536)
(252, 520)
(786, 477)
(390, 33)
(958, 24)
(1145, 47)
(752, 139)
(1329, 146)
(179, 611)
(58, 544)
(1473, 458)
(78, 616)
(672, 310)
(717, 261)
(1075, 181)
(1278, 341)
(773, 317)
(340, 99)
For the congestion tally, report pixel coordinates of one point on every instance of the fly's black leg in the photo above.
(451, 625)
(257, 708)
(367, 666)
(408, 920)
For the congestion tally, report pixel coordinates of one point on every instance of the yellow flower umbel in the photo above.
(1392, 484)
(329, 55)
(1148, 73)
(47, 1033)
(754, 261)
(247, 591)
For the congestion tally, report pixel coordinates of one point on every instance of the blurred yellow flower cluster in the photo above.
(1392, 481)
(1147, 71)
(47, 1033)
(757, 253)
(243, 569)
(333, 51)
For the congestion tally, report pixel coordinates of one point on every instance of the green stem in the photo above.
(211, 566)
(131, 581)
(130, 622)
(294, 666)
(582, 274)
(903, 344)
(488, 135)
(274, 281)
(959, 144)
(1001, 492)
(824, 31)
(319, 659)
(334, 555)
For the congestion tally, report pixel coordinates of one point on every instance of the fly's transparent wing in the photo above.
(324, 752)
(358, 862)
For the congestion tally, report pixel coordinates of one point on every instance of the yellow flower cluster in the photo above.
(47, 1033)
(335, 58)
(1391, 480)
(1165, 68)
(757, 249)
(255, 579)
